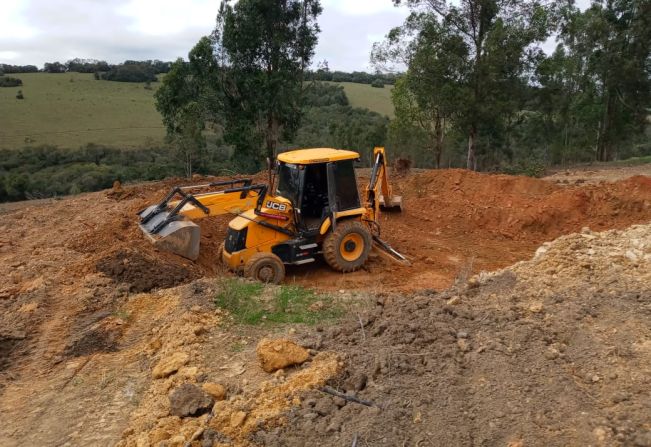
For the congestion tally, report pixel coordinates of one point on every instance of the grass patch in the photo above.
(367, 97)
(251, 303)
(73, 109)
(634, 161)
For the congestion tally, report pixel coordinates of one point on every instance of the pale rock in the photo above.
(536, 308)
(189, 372)
(600, 433)
(142, 440)
(237, 419)
(217, 391)
(463, 345)
(169, 365)
(177, 441)
(280, 353)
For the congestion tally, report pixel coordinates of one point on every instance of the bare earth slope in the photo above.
(82, 321)
(550, 352)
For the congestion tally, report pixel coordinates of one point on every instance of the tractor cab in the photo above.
(318, 183)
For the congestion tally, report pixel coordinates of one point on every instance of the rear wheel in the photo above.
(346, 248)
(266, 268)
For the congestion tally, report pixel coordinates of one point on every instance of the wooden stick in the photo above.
(329, 390)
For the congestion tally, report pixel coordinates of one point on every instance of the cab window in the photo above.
(346, 184)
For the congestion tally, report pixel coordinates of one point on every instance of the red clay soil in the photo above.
(454, 223)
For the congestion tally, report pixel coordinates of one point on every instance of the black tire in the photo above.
(266, 268)
(346, 248)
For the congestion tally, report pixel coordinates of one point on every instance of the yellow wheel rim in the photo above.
(352, 247)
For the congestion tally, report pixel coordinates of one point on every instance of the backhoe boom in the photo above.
(169, 224)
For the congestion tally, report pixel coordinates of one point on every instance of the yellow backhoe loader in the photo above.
(315, 210)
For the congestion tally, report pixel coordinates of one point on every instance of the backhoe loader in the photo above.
(315, 210)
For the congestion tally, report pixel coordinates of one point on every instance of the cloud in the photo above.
(360, 7)
(164, 17)
(13, 22)
(38, 31)
(347, 35)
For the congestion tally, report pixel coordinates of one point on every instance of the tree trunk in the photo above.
(440, 135)
(188, 165)
(271, 142)
(603, 142)
(471, 162)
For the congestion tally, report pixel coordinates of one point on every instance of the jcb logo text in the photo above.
(276, 206)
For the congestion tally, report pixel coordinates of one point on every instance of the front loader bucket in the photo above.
(394, 204)
(179, 236)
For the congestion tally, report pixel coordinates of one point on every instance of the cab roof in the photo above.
(318, 155)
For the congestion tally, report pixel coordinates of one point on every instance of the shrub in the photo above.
(130, 73)
(378, 83)
(19, 95)
(8, 81)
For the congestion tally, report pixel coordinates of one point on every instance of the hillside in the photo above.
(72, 109)
(91, 313)
(367, 97)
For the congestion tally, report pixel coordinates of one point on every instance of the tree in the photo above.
(497, 37)
(594, 89)
(188, 99)
(54, 67)
(86, 65)
(427, 95)
(614, 42)
(264, 48)
(137, 72)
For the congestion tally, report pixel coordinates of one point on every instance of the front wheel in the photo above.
(346, 248)
(266, 268)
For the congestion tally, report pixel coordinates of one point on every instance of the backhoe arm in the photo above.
(239, 196)
(169, 224)
(378, 191)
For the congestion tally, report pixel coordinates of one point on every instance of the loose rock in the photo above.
(189, 400)
(168, 366)
(215, 390)
(279, 354)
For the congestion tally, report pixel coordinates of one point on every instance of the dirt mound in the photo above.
(512, 358)
(100, 337)
(553, 351)
(523, 208)
(455, 222)
(143, 273)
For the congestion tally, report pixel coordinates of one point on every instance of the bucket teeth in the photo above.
(395, 204)
(178, 236)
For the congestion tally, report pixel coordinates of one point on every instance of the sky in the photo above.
(39, 31)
